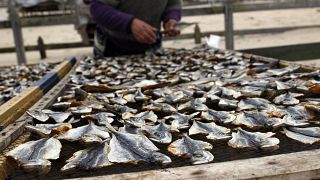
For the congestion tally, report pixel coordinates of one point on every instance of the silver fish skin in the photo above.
(255, 104)
(91, 158)
(194, 150)
(34, 156)
(159, 133)
(176, 97)
(256, 120)
(180, 121)
(213, 131)
(219, 116)
(127, 128)
(132, 148)
(195, 104)
(296, 116)
(160, 107)
(59, 117)
(139, 120)
(38, 115)
(287, 99)
(308, 135)
(87, 134)
(254, 140)
(101, 118)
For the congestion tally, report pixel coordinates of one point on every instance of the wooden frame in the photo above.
(298, 165)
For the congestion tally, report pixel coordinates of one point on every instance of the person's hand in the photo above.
(143, 32)
(170, 28)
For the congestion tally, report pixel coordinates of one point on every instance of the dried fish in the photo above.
(81, 110)
(255, 120)
(309, 135)
(254, 140)
(296, 116)
(133, 148)
(255, 104)
(176, 97)
(159, 133)
(34, 156)
(180, 121)
(220, 116)
(287, 99)
(195, 104)
(86, 134)
(138, 120)
(284, 85)
(58, 117)
(127, 128)
(101, 118)
(213, 131)
(46, 130)
(194, 150)
(118, 100)
(283, 71)
(91, 158)
(38, 115)
(159, 107)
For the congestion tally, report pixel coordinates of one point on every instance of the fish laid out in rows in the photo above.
(175, 106)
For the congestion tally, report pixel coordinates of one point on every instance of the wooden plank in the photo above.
(300, 166)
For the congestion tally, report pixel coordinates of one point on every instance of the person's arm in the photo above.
(107, 16)
(171, 17)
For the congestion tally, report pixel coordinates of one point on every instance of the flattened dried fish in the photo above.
(213, 131)
(133, 148)
(81, 110)
(255, 104)
(86, 134)
(287, 99)
(159, 107)
(91, 158)
(118, 100)
(180, 121)
(38, 115)
(176, 97)
(46, 130)
(59, 117)
(197, 104)
(138, 120)
(254, 140)
(140, 97)
(193, 149)
(283, 71)
(127, 128)
(220, 116)
(256, 120)
(34, 156)
(284, 85)
(296, 116)
(101, 118)
(159, 133)
(309, 135)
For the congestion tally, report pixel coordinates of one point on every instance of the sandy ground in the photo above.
(247, 20)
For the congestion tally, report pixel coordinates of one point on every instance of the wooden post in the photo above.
(41, 48)
(17, 33)
(228, 22)
(197, 34)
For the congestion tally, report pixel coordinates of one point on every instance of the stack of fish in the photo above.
(14, 79)
(122, 109)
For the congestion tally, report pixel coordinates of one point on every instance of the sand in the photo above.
(245, 20)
